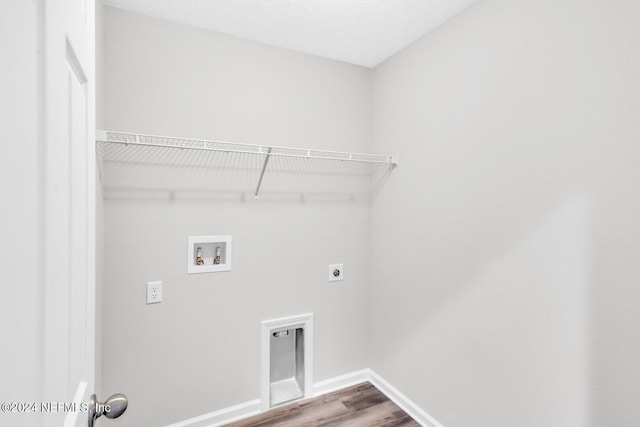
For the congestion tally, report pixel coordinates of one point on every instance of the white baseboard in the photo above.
(253, 407)
(222, 416)
(407, 405)
(340, 382)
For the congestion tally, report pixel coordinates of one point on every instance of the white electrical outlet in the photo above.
(336, 272)
(154, 292)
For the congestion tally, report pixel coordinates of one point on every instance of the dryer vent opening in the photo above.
(287, 365)
(287, 360)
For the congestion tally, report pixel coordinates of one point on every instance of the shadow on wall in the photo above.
(151, 173)
(379, 176)
(614, 318)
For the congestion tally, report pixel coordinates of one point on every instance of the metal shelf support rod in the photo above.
(264, 167)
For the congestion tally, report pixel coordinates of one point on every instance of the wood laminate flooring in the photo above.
(362, 405)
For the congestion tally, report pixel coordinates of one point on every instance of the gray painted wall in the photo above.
(512, 222)
(203, 342)
(493, 283)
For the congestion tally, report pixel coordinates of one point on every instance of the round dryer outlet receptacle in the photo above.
(336, 272)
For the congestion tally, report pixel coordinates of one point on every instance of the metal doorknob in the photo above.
(112, 408)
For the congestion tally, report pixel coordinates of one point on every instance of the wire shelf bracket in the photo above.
(264, 168)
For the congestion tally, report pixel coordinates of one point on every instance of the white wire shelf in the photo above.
(266, 151)
(234, 147)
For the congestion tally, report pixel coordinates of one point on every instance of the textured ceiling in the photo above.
(362, 32)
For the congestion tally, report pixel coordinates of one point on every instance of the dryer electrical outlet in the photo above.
(154, 292)
(336, 272)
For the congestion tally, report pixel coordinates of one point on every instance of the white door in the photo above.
(67, 28)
